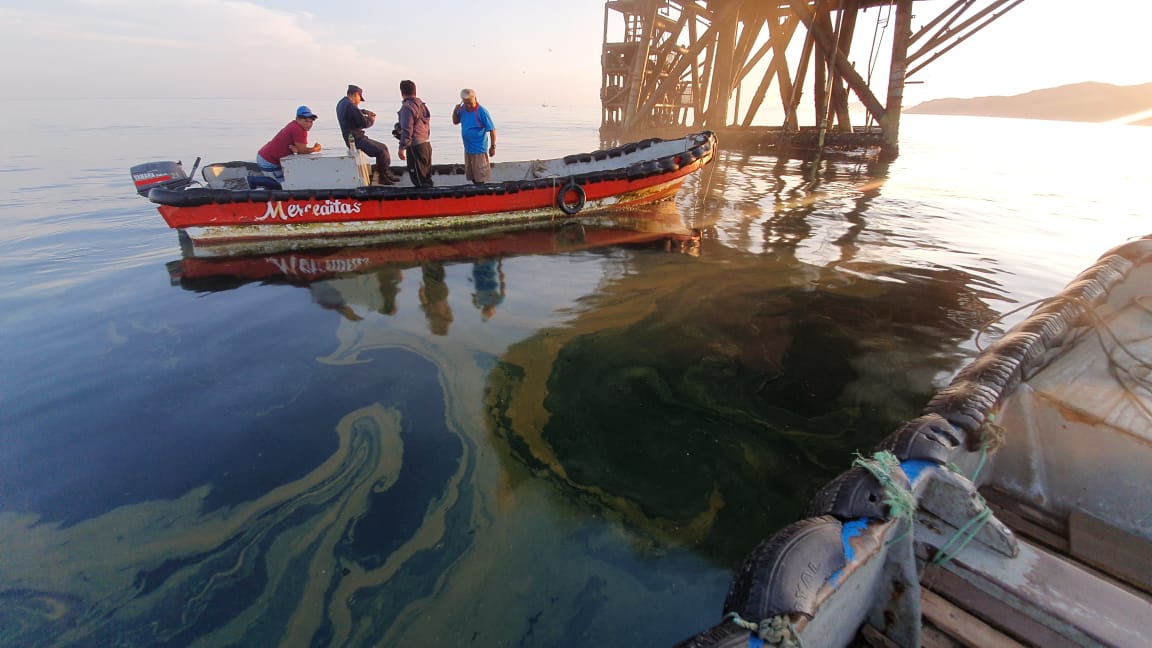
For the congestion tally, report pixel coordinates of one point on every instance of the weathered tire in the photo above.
(784, 573)
(580, 198)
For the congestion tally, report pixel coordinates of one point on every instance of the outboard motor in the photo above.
(168, 175)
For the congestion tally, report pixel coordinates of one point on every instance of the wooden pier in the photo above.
(670, 66)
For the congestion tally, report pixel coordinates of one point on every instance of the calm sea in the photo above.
(552, 440)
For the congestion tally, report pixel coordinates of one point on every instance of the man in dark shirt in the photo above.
(414, 135)
(353, 120)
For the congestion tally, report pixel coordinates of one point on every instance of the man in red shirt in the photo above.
(291, 140)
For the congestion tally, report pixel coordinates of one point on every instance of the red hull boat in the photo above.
(326, 200)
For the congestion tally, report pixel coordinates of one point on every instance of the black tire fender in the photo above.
(575, 207)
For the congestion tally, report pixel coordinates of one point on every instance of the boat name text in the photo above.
(294, 266)
(278, 210)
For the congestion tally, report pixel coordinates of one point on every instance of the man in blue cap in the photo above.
(353, 120)
(291, 140)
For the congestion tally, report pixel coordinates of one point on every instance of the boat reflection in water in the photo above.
(340, 279)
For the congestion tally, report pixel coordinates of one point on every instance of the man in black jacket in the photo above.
(353, 120)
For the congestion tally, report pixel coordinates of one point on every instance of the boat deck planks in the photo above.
(933, 637)
(981, 604)
(1039, 597)
(964, 627)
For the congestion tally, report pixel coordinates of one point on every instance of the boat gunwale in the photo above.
(703, 146)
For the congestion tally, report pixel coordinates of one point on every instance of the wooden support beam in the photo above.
(855, 81)
(704, 42)
(779, 35)
(822, 62)
(889, 119)
(752, 20)
(716, 115)
(751, 23)
(947, 14)
(791, 119)
(639, 63)
(965, 37)
(850, 9)
(697, 99)
(783, 34)
(948, 31)
(755, 59)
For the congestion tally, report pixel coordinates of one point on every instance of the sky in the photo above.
(534, 51)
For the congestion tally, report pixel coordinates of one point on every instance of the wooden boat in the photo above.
(327, 199)
(1017, 510)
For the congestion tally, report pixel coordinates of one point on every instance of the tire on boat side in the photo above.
(855, 493)
(926, 438)
(786, 571)
(571, 209)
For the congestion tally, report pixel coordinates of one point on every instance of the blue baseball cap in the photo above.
(305, 111)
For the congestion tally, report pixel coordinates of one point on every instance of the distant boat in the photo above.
(327, 200)
(1017, 509)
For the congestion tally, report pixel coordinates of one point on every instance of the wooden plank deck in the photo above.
(1084, 583)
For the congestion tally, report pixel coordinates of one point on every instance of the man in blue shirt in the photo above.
(479, 136)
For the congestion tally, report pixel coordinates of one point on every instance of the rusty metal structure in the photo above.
(673, 65)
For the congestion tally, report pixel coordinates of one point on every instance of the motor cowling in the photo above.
(150, 175)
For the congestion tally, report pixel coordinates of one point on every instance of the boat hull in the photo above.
(224, 239)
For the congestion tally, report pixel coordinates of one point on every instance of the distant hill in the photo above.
(1084, 102)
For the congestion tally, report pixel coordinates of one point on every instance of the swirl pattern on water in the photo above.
(279, 569)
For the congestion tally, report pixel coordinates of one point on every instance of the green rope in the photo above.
(777, 630)
(964, 535)
(901, 503)
(991, 438)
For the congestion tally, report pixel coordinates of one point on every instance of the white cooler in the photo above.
(325, 171)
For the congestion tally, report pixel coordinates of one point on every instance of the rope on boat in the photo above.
(777, 630)
(1000, 318)
(991, 439)
(1125, 376)
(706, 186)
(964, 534)
(883, 464)
(902, 503)
(1117, 370)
